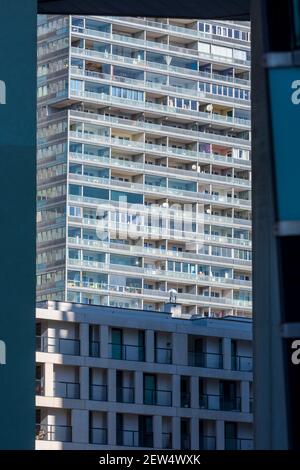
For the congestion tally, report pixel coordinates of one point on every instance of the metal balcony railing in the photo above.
(40, 387)
(55, 345)
(98, 392)
(53, 432)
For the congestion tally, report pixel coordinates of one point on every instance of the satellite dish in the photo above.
(209, 108)
(173, 296)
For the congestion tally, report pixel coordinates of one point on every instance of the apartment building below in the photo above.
(113, 378)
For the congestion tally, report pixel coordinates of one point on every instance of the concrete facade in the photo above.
(111, 378)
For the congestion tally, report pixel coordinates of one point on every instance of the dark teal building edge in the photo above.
(17, 235)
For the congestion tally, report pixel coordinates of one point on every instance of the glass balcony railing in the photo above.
(219, 402)
(242, 363)
(207, 443)
(157, 397)
(127, 352)
(167, 440)
(94, 349)
(98, 436)
(98, 392)
(205, 359)
(130, 438)
(163, 355)
(185, 400)
(53, 432)
(238, 444)
(40, 387)
(53, 345)
(159, 45)
(66, 390)
(125, 394)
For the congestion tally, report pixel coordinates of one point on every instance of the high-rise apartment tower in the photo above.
(144, 163)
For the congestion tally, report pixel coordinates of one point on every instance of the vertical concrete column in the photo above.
(157, 432)
(84, 383)
(194, 432)
(176, 391)
(220, 435)
(149, 340)
(112, 384)
(245, 396)
(176, 440)
(49, 379)
(104, 340)
(84, 339)
(80, 426)
(111, 428)
(194, 384)
(138, 387)
(180, 349)
(226, 343)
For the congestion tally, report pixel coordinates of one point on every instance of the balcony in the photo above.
(94, 349)
(129, 438)
(159, 45)
(184, 113)
(127, 352)
(53, 432)
(238, 444)
(185, 400)
(205, 359)
(242, 363)
(40, 387)
(49, 344)
(167, 440)
(163, 355)
(125, 394)
(189, 134)
(165, 28)
(98, 392)
(157, 397)
(66, 390)
(98, 436)
(219, 402)
(159, 169)
(207, 443)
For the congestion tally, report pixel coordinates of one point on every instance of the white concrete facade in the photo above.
(112, 378)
